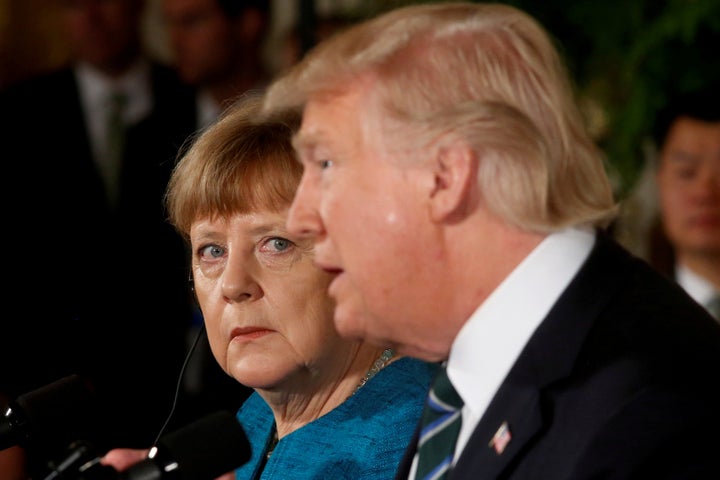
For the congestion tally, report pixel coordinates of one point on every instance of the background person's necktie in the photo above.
(440, 427)
(115, 143)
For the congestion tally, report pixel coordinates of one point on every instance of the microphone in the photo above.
(203, 450)
(49, 417)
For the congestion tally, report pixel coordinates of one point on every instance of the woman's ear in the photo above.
(455, 176)
(191, 288)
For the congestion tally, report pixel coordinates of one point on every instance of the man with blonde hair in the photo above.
(451, 186)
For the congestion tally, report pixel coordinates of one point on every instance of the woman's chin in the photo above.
(254, 374)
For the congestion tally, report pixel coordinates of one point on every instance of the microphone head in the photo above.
(54, 415)
(207, 448)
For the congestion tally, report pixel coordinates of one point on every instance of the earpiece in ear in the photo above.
(191, 286)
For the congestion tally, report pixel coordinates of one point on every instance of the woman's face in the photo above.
(267, 314)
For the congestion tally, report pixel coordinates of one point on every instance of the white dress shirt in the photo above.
(207, 108)
(696, 286)
(491, 340)
(95, 90)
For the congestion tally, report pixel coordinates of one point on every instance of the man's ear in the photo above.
(455, 175)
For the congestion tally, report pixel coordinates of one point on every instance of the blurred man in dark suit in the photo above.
(98, 275)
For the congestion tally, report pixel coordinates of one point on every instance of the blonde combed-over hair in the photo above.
(485, 74)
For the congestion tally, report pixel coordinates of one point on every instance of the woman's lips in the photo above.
(247, 334)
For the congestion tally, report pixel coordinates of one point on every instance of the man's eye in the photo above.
(324, 164)
(686, 173)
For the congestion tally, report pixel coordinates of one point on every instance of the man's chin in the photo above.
(348, 322)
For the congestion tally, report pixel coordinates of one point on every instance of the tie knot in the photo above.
(443, 395)
(441, 423)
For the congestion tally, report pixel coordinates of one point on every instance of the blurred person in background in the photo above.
(685, 243)
(298, 38)
(217, 48)
(99, 273)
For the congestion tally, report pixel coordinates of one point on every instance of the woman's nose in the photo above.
(239, 283)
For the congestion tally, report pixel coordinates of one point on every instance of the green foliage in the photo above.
(670, 53)
(627, 58)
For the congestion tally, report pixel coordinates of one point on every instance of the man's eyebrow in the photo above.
(304, 142)
(298, 141)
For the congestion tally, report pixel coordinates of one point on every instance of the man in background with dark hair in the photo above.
(217, 48)
(685, 243)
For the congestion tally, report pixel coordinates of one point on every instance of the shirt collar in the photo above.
(696, 286)
(492, 339)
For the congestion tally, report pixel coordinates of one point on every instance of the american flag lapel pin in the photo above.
(501, 438)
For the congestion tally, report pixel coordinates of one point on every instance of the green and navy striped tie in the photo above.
(440, 427)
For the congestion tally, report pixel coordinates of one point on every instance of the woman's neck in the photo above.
(325, 389)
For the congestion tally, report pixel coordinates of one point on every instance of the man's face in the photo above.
(202, 38)
(104, 33)
(688, 180)
(367, 212)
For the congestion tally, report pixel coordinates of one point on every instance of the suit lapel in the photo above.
(511, 422)
(549, 357)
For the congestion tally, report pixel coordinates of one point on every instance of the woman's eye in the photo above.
(279, 244)
(212, 251)
(325, 164)
(276, 245)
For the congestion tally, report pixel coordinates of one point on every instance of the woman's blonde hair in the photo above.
(486, 74)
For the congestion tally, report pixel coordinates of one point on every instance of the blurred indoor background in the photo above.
(626, 56)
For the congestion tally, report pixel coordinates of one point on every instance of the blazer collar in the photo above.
(549, 357)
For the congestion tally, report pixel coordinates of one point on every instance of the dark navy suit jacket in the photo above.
(619, 381)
